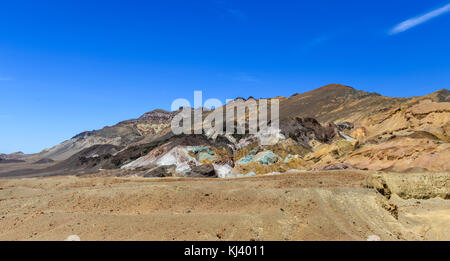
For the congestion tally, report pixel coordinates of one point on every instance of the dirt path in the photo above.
(305, 206)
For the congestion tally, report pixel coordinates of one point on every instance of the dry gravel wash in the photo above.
(337, 205)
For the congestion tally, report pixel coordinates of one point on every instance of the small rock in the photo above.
(73, 238)
(373, 238)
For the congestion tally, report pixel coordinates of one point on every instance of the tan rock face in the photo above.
(413, 135)
(411, 185)
(359, 133)
(402, 154)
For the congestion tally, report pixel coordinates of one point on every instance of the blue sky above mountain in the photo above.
(71, 66)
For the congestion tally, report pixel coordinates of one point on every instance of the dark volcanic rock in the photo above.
(129, 154)
(90, 159)
(306, 129)
(160, 172)
(10, 161)
(345, 126)
(202, 171)
(43, 161)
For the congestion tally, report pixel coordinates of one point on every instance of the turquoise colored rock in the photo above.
(198, 149)
(247, 159)
(288, 157)
(203, 153)
(266, 157)
(205, 156)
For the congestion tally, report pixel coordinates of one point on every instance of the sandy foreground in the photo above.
(335, 205)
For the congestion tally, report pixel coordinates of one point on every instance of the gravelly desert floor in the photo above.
(335, 205)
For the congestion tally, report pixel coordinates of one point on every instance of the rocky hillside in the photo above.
(333, 127)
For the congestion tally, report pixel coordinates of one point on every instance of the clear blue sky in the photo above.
(71, 66)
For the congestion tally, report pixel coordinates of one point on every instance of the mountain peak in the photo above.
(442, 95)
(334, 86)
(327, 88)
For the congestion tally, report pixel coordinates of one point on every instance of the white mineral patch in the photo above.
(167, 159)
(346, 137)
(223, 171)
(373, 238)
(73, 238)
(182, 168)
(269, 136)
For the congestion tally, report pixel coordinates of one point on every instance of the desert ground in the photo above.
(330, 205)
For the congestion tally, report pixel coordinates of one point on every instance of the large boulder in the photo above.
(202, 171)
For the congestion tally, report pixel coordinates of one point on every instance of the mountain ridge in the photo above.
(328, 125)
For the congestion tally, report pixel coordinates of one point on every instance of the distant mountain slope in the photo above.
(335, 102)
(333, 127)
(150, 124)
(328, 103)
